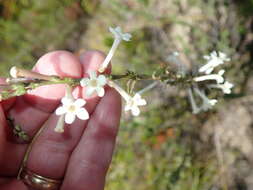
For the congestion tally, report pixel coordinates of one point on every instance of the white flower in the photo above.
(94, 84)
(207, 103)
(117, 32)
(133, 103)
(118, 37)
(214, 60)
(218, 77)
(226, 87)
(71, 109)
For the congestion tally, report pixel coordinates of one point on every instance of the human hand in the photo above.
(81, 155)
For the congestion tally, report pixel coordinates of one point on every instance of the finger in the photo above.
(10, 154)
(51, 151)
(91, 158)
(42, 101)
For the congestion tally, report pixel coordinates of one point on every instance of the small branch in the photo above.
(20, 86)
(131, 75)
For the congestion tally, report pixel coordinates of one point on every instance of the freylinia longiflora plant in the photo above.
(22, 81)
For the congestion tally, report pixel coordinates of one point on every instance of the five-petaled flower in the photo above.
(71, 109)
(132, 104)
(94, 84)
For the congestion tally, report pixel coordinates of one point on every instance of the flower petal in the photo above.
(70, 118)
(118, 29)
(207, 57)
(227, 91)
(80, 103)
(82, 114)
(142, 102)
(214, 54)
(127, 107)
(112, 30)
(60, 111)
(84, 82)
(126, 36)
(135, 111)
(66, 101)
(101, 80)
(137, 97)
(100, 91)
(213, 102)
(221, 72)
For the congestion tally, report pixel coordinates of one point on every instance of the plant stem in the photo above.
(20, 86)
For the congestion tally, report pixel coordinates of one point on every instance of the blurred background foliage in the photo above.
(167, 147)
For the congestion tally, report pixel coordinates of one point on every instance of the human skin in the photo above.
(82, 154)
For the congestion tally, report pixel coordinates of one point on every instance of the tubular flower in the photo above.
(118, 37)
(218, 77)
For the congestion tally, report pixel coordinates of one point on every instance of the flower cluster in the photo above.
(22, 81)
(213, 60)
(95, 84)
